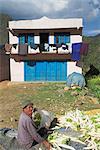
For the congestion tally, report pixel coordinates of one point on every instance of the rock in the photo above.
(74, 93)
(69, 132)
(1, 120)
(77, 145)
(66, 88)
(94, 100)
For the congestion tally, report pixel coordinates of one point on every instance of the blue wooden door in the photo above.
(61, 71)
(29, 70)
(51, 71)
(40, 71)
(45, 71)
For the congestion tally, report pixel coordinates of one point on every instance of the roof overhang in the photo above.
(46, 23)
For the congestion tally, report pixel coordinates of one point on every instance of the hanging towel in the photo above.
(23, 49)
(84, 49)
(8, 47)
(33, 46)
(76, 51)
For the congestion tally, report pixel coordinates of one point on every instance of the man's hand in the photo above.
(47, 144)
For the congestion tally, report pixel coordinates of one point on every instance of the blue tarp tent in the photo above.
(76, 79)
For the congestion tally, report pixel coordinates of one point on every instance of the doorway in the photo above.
(44, 38)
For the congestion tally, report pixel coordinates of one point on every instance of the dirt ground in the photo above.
(10, 106)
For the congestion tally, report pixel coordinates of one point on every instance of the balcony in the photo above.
(38, 52)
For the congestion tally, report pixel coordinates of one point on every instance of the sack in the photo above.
(44, 118)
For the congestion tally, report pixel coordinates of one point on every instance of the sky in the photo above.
(89, 10)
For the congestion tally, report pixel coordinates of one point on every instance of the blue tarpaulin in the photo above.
(76, 79)
(76, 51)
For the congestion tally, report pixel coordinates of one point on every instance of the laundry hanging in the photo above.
(76, 51)
(84, 49)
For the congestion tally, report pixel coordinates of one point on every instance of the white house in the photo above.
(42, 48)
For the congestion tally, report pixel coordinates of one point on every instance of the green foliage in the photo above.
(93, 56)
(4, 18)
(37, 119)
(94, 86)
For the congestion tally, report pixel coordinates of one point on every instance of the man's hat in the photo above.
(25, 103)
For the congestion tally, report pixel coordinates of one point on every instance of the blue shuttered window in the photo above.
(61, 38)
(30, 39)
(26, 38)
(21, 39)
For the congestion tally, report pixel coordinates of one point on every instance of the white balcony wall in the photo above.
(75, 38)
(16, 70)
(51, 39)
(13, 39)
(37, 39)
(71, 67)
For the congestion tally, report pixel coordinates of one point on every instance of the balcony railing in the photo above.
(25, 49)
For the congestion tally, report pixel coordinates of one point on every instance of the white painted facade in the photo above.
(13, 39)
(17, 68)
(71, 67)
(75, 38)
(36, 39)
(51, 39)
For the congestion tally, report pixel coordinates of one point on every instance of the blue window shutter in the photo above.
(67, 39)
(54, 39)
(22, 39)
(30, 38)
(61, 38)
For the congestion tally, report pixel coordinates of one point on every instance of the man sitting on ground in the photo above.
(27, 131)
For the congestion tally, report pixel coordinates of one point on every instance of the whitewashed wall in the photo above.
(13, 39)
(71, 67)
(51, 39)
(75, 38)
(16, 70)
(37, 39)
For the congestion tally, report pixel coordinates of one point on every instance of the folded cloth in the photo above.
(76, 46)
(46, 46)
(58, 45)
(75, 56)
(23, 49)
(76, 51)
(84, 49)
(8, 47)
(33, 46)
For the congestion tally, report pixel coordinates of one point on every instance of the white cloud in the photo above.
(89, 10)
(50, 6)
(95, 31)
(95, 9)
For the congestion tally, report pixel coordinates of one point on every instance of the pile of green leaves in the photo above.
(37, 119)
(89, 127)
